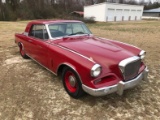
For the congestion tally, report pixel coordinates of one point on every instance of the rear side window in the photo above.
(39, 31)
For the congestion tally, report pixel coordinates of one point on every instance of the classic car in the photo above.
(85, 63)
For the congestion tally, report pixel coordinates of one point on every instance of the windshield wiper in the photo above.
(72, 34)
(78, 33)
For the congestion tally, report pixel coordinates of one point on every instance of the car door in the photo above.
(38, 45)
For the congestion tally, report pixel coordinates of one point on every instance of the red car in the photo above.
(86, 63)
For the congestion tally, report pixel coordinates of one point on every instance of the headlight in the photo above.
(142, 54)
(96, 70)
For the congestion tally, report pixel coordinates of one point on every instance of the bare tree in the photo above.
(121, 1)
(14, 4)
(1, 11)
(142, 2)
(100, 1)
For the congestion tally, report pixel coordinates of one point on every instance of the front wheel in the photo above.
(72, 83)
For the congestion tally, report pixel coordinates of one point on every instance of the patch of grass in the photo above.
(122, 29)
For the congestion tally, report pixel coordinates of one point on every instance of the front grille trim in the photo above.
(125, 62)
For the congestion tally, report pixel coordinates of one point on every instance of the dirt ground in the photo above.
(30, 92)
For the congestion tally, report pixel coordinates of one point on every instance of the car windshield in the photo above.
(67, 29)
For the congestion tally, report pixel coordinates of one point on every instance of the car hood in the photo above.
(102, 51)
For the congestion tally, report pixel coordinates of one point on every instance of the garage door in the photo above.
(139, 13)
(118, 15)
(110, 14)
(133, 14)
(126, 14)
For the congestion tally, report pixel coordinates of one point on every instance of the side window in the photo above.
(39, 31)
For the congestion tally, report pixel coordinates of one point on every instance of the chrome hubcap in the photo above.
(72, 81)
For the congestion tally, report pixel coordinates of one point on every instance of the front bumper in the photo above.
(119, 88)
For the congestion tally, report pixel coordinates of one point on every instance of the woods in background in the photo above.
(43, 9)
(37, 9)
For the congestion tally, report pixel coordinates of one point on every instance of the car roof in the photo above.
(52, 21)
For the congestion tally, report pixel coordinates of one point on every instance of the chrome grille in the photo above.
(130, 67)
(131, 70)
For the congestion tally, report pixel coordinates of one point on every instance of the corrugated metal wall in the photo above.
(113, 12)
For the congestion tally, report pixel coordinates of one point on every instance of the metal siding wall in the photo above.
(113, 12)
(96, 11)
(124, 12)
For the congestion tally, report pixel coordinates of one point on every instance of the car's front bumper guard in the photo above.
(119, 88)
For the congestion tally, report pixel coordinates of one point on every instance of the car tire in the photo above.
(22, 51)
(72, 83)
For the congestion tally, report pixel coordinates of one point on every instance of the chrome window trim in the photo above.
(50, 37)
(127, 61)
(47, 28)
(36, 38)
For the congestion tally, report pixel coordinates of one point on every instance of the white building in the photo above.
(113, 12)
(152, 12)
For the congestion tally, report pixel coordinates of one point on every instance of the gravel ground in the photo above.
(30, 92)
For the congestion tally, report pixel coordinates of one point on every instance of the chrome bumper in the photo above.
(119, 88)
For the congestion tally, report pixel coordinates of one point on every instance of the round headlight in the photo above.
(142, 54)
(96, 70)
